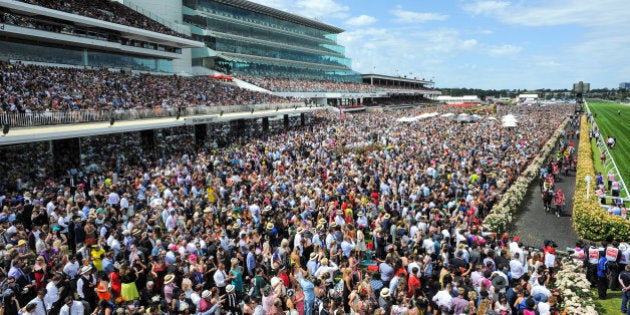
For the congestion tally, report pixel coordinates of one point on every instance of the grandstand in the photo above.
(71, 33)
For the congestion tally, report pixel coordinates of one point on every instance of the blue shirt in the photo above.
(601, 267)
(309, 289)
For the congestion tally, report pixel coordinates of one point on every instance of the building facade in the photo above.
(243, 37)
(33, 33)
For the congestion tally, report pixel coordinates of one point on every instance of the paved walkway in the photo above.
(533, 225)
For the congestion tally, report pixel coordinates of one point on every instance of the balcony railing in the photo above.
(31, 119)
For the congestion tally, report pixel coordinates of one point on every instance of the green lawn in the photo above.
(612, 303)
(610, 123)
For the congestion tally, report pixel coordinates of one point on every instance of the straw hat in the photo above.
(269, 226)
(314, 255)
(229, 288)
(387, 216)
(168, 279)
(21, 242)
(385, 293)
(85, 269)
(299, 230)
(360, 213)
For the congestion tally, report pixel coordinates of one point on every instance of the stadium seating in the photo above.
(110, 11)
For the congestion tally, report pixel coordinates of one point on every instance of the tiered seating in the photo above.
(31, 88)
(110, 11)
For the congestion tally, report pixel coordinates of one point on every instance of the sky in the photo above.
(482, 44)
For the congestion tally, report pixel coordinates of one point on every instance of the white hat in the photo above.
(229, 288)
(205, 294)
(85, 269)
(385, 293)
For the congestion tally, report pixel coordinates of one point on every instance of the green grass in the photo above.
(612, 303)
(611, 124)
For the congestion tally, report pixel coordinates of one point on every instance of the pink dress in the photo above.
(299, 306)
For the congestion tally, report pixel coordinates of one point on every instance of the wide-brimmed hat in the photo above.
(498, 282)
(85, 269)
(269, 226)
(207, 210)
(385, 293)
(299, 230)
(314, 255)
(360, 214)
(21, 242)
(168, 279)
(205, 294)
(387, 216)
(334, 225)
(229, 288)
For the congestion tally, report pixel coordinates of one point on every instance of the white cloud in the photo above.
(403, 16)
(468, 44)
(316, 9)
(553, 12)
(361, 20)
(486, 7)
(503, 50)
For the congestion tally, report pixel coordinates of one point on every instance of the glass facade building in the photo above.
(257, 40)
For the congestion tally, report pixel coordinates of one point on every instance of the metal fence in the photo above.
(31, 119)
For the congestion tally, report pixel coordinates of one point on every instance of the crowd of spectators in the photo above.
(105, 10)
(359, 215)
(36, 89)
(277, 84)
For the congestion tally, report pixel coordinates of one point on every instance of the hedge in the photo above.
(590, 220)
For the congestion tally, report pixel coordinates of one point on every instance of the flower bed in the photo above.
(574, 289)
(501, 214)
(590, 221)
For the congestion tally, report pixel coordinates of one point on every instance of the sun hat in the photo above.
(299, 230)
(85, 269)
(21, 242)
(229, 288)
(205, 294)
(169, 278)
(314, 255)
(269, 226)
(385, 293)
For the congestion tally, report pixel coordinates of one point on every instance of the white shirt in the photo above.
(442, 298)
(76, 309)
(219, 278)
(71, 269)
(544, 308)
(39, 306)
(516, 268)
(52, 294)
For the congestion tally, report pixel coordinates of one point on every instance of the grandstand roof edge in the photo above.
(27, 7)
(388, 77)
(244, 4)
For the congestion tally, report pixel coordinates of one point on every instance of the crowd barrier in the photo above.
(31, 119)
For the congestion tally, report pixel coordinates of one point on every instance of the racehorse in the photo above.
(547, 197)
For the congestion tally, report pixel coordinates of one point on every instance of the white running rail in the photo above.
(610, 161)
